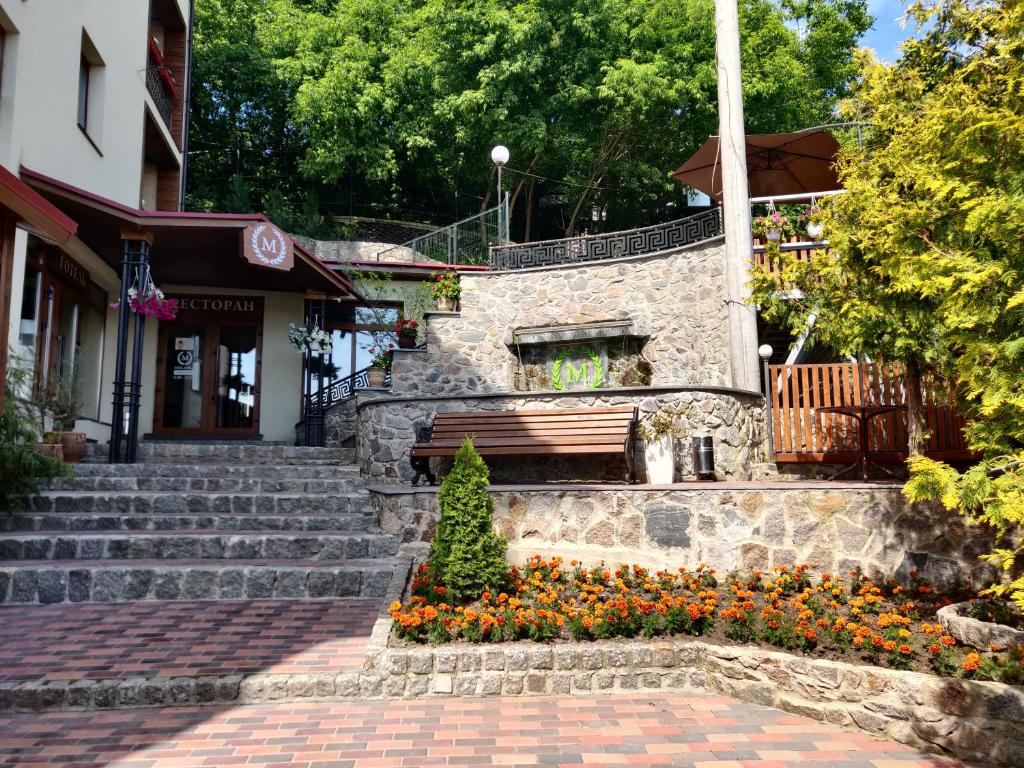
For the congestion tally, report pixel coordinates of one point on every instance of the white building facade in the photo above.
(93, 132)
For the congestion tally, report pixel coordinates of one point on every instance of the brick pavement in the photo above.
(105, 640)
(659, 729)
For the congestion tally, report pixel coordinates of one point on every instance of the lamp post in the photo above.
(499, 156)
(765, 353)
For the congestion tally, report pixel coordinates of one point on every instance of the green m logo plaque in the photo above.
(577, 368)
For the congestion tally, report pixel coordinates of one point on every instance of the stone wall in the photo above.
(729, 526)
(387, 430)
(970, 720)
(676, 299)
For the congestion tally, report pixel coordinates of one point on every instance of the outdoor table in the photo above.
(863, 414)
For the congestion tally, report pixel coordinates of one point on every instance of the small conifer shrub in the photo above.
(466, 555)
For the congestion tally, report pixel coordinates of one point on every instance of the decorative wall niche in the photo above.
(582, 356)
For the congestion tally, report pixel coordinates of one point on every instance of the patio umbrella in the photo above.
(777, 164)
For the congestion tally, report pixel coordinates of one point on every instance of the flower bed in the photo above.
(844, 618)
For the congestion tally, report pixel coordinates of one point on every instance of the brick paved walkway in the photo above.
(660, 729)
(97, 640)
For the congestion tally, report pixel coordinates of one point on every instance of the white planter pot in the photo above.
(773, 235)
(659, 457)
(815, 229)
(446, 303)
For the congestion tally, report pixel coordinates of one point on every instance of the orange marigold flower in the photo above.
(858, 642)
(395, 607)
(935, 649)
(906, 650)
(972, 662)
(890, 645)
(810, 634)
(947, 640)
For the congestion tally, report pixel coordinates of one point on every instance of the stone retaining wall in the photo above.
(387, 430)
(729, 526)
(971, 720)
(676, 300)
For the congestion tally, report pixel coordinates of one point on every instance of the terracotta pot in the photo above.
(407, 341)
(375, 377)
(446, 304)
(53, 450)
(73, 444)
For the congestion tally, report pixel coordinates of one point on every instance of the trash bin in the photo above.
(704, 457)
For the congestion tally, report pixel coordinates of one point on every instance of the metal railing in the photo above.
(162, 97)
(464, 242)
(335, 392)
(611, 245)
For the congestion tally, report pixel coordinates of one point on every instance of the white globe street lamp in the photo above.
(499, 156)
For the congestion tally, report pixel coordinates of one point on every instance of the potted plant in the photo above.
(814, 222)
(445, 289)
(314, 338)
(50, 447)
(149, 301)
(65, 405)
(407, 331)
(772, 227)
(376, 374)
(658, 436)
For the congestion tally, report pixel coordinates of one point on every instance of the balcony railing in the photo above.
(160, 83)
(161, 97)
(611, 245)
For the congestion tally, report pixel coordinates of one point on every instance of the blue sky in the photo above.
(887, 33)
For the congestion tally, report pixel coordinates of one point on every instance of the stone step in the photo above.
(215, 470)
(197, 502)
(218, 484)
(57, 521)
(248, 453)
(194, 544)
(118, 581)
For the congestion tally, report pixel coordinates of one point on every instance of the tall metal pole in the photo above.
(735, 198)
(120, 351)
(135, 386)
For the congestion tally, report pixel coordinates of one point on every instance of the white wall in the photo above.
(39, 92)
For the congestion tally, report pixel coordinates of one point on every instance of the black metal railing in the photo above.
(162, 96)
(335, 392)
(611, 245)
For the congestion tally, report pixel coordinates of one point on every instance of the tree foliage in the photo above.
(929, 264)
(466, 554)
(390, 107)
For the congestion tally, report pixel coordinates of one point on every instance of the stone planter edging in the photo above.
(971, 631)
(968, 719)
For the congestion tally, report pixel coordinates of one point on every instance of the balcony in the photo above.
(160, 84)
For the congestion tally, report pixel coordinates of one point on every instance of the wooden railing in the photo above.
(801, 433)
(797, 246)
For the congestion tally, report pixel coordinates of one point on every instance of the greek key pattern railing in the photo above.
(342, 389)
(612, 245)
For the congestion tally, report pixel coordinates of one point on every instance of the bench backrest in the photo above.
(559, 430)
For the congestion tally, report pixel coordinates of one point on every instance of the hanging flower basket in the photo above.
(303, 338)
(772, 227)
(150, 302)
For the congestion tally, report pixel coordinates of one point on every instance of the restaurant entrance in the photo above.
(208, 368)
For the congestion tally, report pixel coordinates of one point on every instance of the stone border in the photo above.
(968, 719)
(971, 631)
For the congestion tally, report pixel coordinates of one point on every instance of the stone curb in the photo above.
(978, 721)
(971, 631)
(971, 720)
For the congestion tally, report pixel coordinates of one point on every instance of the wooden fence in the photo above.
(795, 247)
(801, 433)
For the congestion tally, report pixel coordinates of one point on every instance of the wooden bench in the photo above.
(564, 431)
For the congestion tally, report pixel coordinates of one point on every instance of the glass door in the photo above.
(183, 350)
(236, 377)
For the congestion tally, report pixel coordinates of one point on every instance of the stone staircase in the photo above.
(200, 521)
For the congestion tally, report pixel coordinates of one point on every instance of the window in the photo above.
(89, 112)
(84, 75)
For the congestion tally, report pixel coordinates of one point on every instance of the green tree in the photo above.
(466, 554)
(929, 267)
(400, 101)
